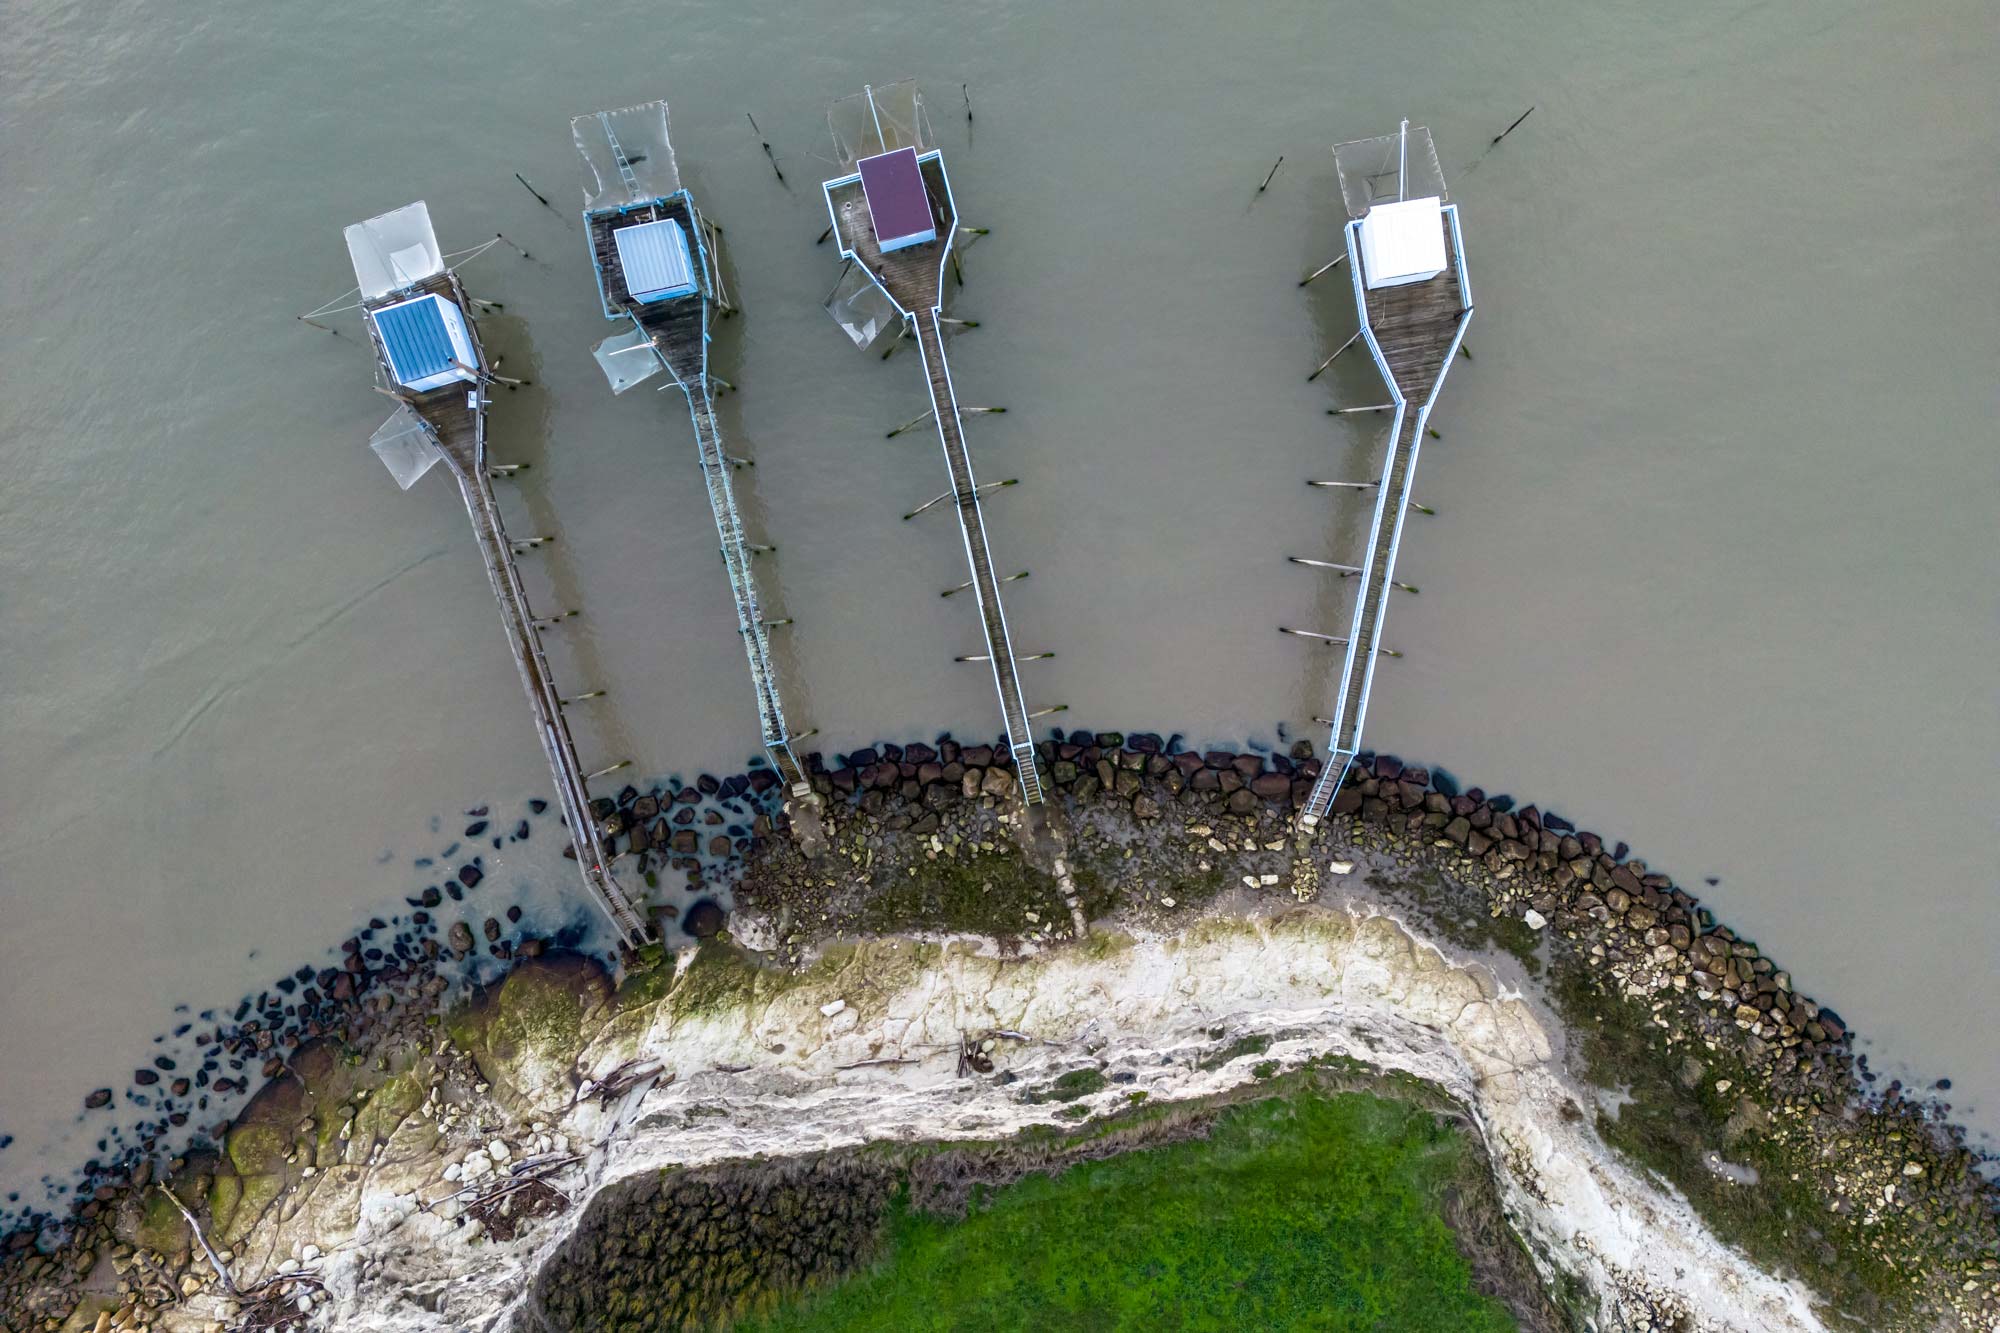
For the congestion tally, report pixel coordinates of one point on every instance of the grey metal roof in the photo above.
(655, 259)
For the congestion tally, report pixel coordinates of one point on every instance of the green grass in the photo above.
(1307, 1212)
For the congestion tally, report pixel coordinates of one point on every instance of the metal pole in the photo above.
(1322, 269)
(1403, 163)
(1329, 361)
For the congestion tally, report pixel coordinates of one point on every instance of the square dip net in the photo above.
(1381, 171)
(879, 120)
(627, 156)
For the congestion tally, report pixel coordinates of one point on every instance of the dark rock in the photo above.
(1218, 758)
(432, 896)
(1346, 801)
(704, 919)
(102, 1097)
(470, 876)
(1242, 802)
(1271, 786)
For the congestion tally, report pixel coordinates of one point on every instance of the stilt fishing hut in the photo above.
(429, 360)
(659, 273)
(893, 212)
(1406, 259)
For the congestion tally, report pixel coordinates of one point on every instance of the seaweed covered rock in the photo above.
(693, 1249)
(524, 1032)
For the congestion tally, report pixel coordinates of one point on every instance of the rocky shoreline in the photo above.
(1761, 1112)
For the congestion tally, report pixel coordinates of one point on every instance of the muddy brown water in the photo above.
(1711, 570)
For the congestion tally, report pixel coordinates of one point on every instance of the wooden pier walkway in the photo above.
(913, 277)
(1413, 332)
(456, 416)
(678, 329)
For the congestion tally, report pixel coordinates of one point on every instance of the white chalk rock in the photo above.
(829, 1010)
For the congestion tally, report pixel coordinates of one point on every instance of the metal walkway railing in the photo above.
(750, 621)
(972, 527)
(1392, 502)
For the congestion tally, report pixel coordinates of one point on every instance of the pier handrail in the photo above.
(1371, 604)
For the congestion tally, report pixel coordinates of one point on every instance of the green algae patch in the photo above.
(1292, 1213)
(258, 1149)
(1236, 1050)
(539, 1011)
(223, 1195)
(257, 1194)
(1681, 1111)
(1076, 1083)
(718, 978)
(161, 1227)
(986, 893)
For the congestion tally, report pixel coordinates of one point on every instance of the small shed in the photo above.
(1403, 242)
(655, 259)
(426, 341)
(898, 204)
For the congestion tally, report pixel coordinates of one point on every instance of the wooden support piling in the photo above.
(1324, 268)
(1330, 360)
(967, 585)
(768, 154)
